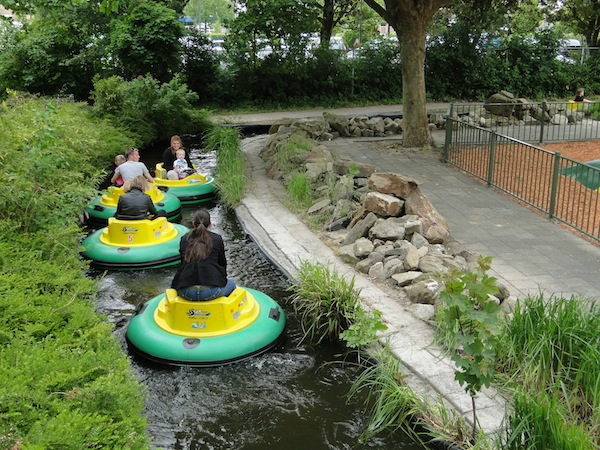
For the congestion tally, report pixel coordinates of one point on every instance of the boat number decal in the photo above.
(197, 313)
(199, 325)
(130, 238)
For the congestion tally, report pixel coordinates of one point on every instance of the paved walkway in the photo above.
(530, 254)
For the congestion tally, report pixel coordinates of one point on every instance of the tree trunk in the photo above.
(410, 19)
(411, 34)
(327, 22)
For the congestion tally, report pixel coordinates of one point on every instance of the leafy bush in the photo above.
(53, 157)
(326, 302)
(149, 109)
(66, 381)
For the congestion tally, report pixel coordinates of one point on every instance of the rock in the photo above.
(405, 278)
(363, 247)
(360, 170)
(386, 230)
(431, 264)
(383, 204)
(392, 183)
(319, 206)
(337, 123)
(424, 291)
(361, 228)
(346, 254)
(376, 271)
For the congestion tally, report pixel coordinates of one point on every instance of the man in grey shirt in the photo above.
(132, 167)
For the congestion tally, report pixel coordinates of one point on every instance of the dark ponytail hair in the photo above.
(199, 240)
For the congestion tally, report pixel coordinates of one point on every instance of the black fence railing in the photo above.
(564, 189)
(533, 121)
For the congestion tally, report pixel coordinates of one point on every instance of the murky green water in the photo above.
(291, 398)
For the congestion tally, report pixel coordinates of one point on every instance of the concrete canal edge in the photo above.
(286, 241)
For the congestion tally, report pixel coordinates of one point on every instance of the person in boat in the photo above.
(119, 159)
(132, 167)
(135, 204)
(203, 273)
(170, 155)
(180, 166)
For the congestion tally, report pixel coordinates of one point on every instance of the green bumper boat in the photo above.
(191, 190)
(134, 244)
(173, 331)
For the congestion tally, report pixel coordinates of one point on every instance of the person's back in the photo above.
(132, 168)
(135, 204)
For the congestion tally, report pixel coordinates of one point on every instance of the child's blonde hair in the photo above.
(120, 159)
(180, 153)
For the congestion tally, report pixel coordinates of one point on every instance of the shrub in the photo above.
(147, 108)
(325, 302)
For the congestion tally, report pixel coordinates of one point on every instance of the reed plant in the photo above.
(300, 192)
(230, 177)
(549, 357)
(325, 302)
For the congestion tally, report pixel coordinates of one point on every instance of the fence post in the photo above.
(493, 140)
(449, 125)
(554, 188)
(543, 121)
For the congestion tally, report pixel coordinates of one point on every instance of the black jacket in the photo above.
(169, 158)
(211, 271)
(135, 205)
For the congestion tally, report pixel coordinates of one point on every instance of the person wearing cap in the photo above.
(132, 167)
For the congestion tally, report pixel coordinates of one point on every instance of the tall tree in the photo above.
(583, 16)
(333, 13)
(410, 19)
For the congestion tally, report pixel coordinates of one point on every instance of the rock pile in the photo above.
(380, 223)
(332, 126)
(503, 108)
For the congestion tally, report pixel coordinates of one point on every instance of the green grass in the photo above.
(230, 175)
(549, 358)
(325, 302)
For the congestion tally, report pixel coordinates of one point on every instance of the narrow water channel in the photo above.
(293, 398)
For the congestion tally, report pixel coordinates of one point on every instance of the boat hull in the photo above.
(191, 190)
(147, 339)
(120, 256)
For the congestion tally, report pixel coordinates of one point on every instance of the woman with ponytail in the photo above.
(203, 272)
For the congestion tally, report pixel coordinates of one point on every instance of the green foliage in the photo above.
(326, 302)
(469, 325)
(539, 420)
(147, 108)
(58, 54)
(147, 40)
(51, 155)
(66, 382)
(363, 330)
(393, 404)
(299, 191)
(230, 176)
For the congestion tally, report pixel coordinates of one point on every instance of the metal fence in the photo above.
(533, 121)
(562, 188)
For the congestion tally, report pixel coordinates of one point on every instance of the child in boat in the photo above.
(119, 159)
(180, 165)
(203, 273)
